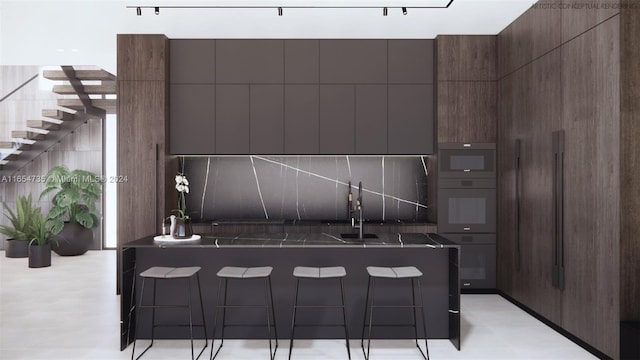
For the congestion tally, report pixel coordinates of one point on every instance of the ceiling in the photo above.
(83, 32)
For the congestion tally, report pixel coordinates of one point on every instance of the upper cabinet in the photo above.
(249, 61)
(353, 61)
(304, 96)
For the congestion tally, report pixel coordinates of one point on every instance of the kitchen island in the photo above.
(435, 256)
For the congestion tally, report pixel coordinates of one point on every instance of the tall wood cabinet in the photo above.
(561, 71)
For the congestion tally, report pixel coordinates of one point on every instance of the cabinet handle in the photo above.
(558, 209)
(517, 212)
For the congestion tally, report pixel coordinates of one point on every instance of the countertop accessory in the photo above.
(170, 238)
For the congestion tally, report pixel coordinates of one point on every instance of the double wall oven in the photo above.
(467, 208)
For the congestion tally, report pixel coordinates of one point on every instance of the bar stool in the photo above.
(244, 273)
(303, 272)
(165, 273)
(405, 272)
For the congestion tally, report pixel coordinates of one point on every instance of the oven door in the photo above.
(467, 210)
(477, 260)
(467, 161)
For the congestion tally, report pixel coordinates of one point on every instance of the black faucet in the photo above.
(358, 209)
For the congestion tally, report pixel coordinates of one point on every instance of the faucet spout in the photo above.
(359, 210)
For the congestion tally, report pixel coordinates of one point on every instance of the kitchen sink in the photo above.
(355, 236)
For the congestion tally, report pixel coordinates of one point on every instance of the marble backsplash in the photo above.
(305, 187)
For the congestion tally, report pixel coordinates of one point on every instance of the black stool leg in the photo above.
(215, 321)
(138, 316)
(424, 322)
(344, 318)
(364, 317)
(273, 312)
(266, 307)
(293, 317)
(204, 325)
(373, 293)
(190, 318)
(415, 318)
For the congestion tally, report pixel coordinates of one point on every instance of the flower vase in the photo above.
(182, 229)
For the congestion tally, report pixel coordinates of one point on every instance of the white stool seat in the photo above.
(394, 272)
(162, 272)
(244, 272)
(319, 272)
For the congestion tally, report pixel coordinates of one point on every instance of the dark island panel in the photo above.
(436, 258)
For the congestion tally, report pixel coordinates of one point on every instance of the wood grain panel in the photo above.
(582, 16)
(141, 127)
(466, 57)
(143, 57)
(534, 33)
(467, 111)
(592, 199)
(630, 164)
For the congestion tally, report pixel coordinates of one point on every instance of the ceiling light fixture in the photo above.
(280, 8)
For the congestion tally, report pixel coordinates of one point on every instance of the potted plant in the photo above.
(19, 232)
(39, 245)
(181, 222)
(73, 213)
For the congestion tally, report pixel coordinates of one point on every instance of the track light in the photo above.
(157, 10)
(384, 12)
(138, 11)
(279, 11)
(404, 11)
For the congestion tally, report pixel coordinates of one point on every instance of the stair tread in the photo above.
(104, 89)
(80, 74)
(109, 105)
(26, 134)
(42, 124)
(57, 114)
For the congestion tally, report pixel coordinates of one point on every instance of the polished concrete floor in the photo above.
(70, 311)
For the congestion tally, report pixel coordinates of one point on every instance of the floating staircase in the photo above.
(93, 94)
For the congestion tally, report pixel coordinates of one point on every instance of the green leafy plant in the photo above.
(21, 219)
(75, 199)
(41, 229)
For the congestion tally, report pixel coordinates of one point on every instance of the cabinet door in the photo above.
(192, 119)
(353, 61)
(410, 119)
(301, 61)
(337, 119)
(301, 119)
(249, 61)
(267, 119)
(411, 61)
(371, 119)
(192, 61)
(232, 119)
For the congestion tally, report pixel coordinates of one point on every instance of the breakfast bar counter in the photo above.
(435, 256)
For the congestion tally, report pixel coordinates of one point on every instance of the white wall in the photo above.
(49, 32)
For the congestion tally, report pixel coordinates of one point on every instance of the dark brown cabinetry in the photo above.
(249, 61)
(353, 61)
(266, 119)
(366, 96)
(301, 119)
(192, 107)
(371, 119)
(337, 119)
(410, 121)
(232, 119)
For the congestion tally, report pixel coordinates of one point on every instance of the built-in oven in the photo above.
(466, 160)
(467, 206)
(477, 260)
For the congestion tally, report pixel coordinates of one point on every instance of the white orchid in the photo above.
(182, 186)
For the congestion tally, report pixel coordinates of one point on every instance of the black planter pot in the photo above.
(39, 256)
(16, 248)
(74, 239)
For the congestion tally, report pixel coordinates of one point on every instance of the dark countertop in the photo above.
(308, 222)
(257, 240)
